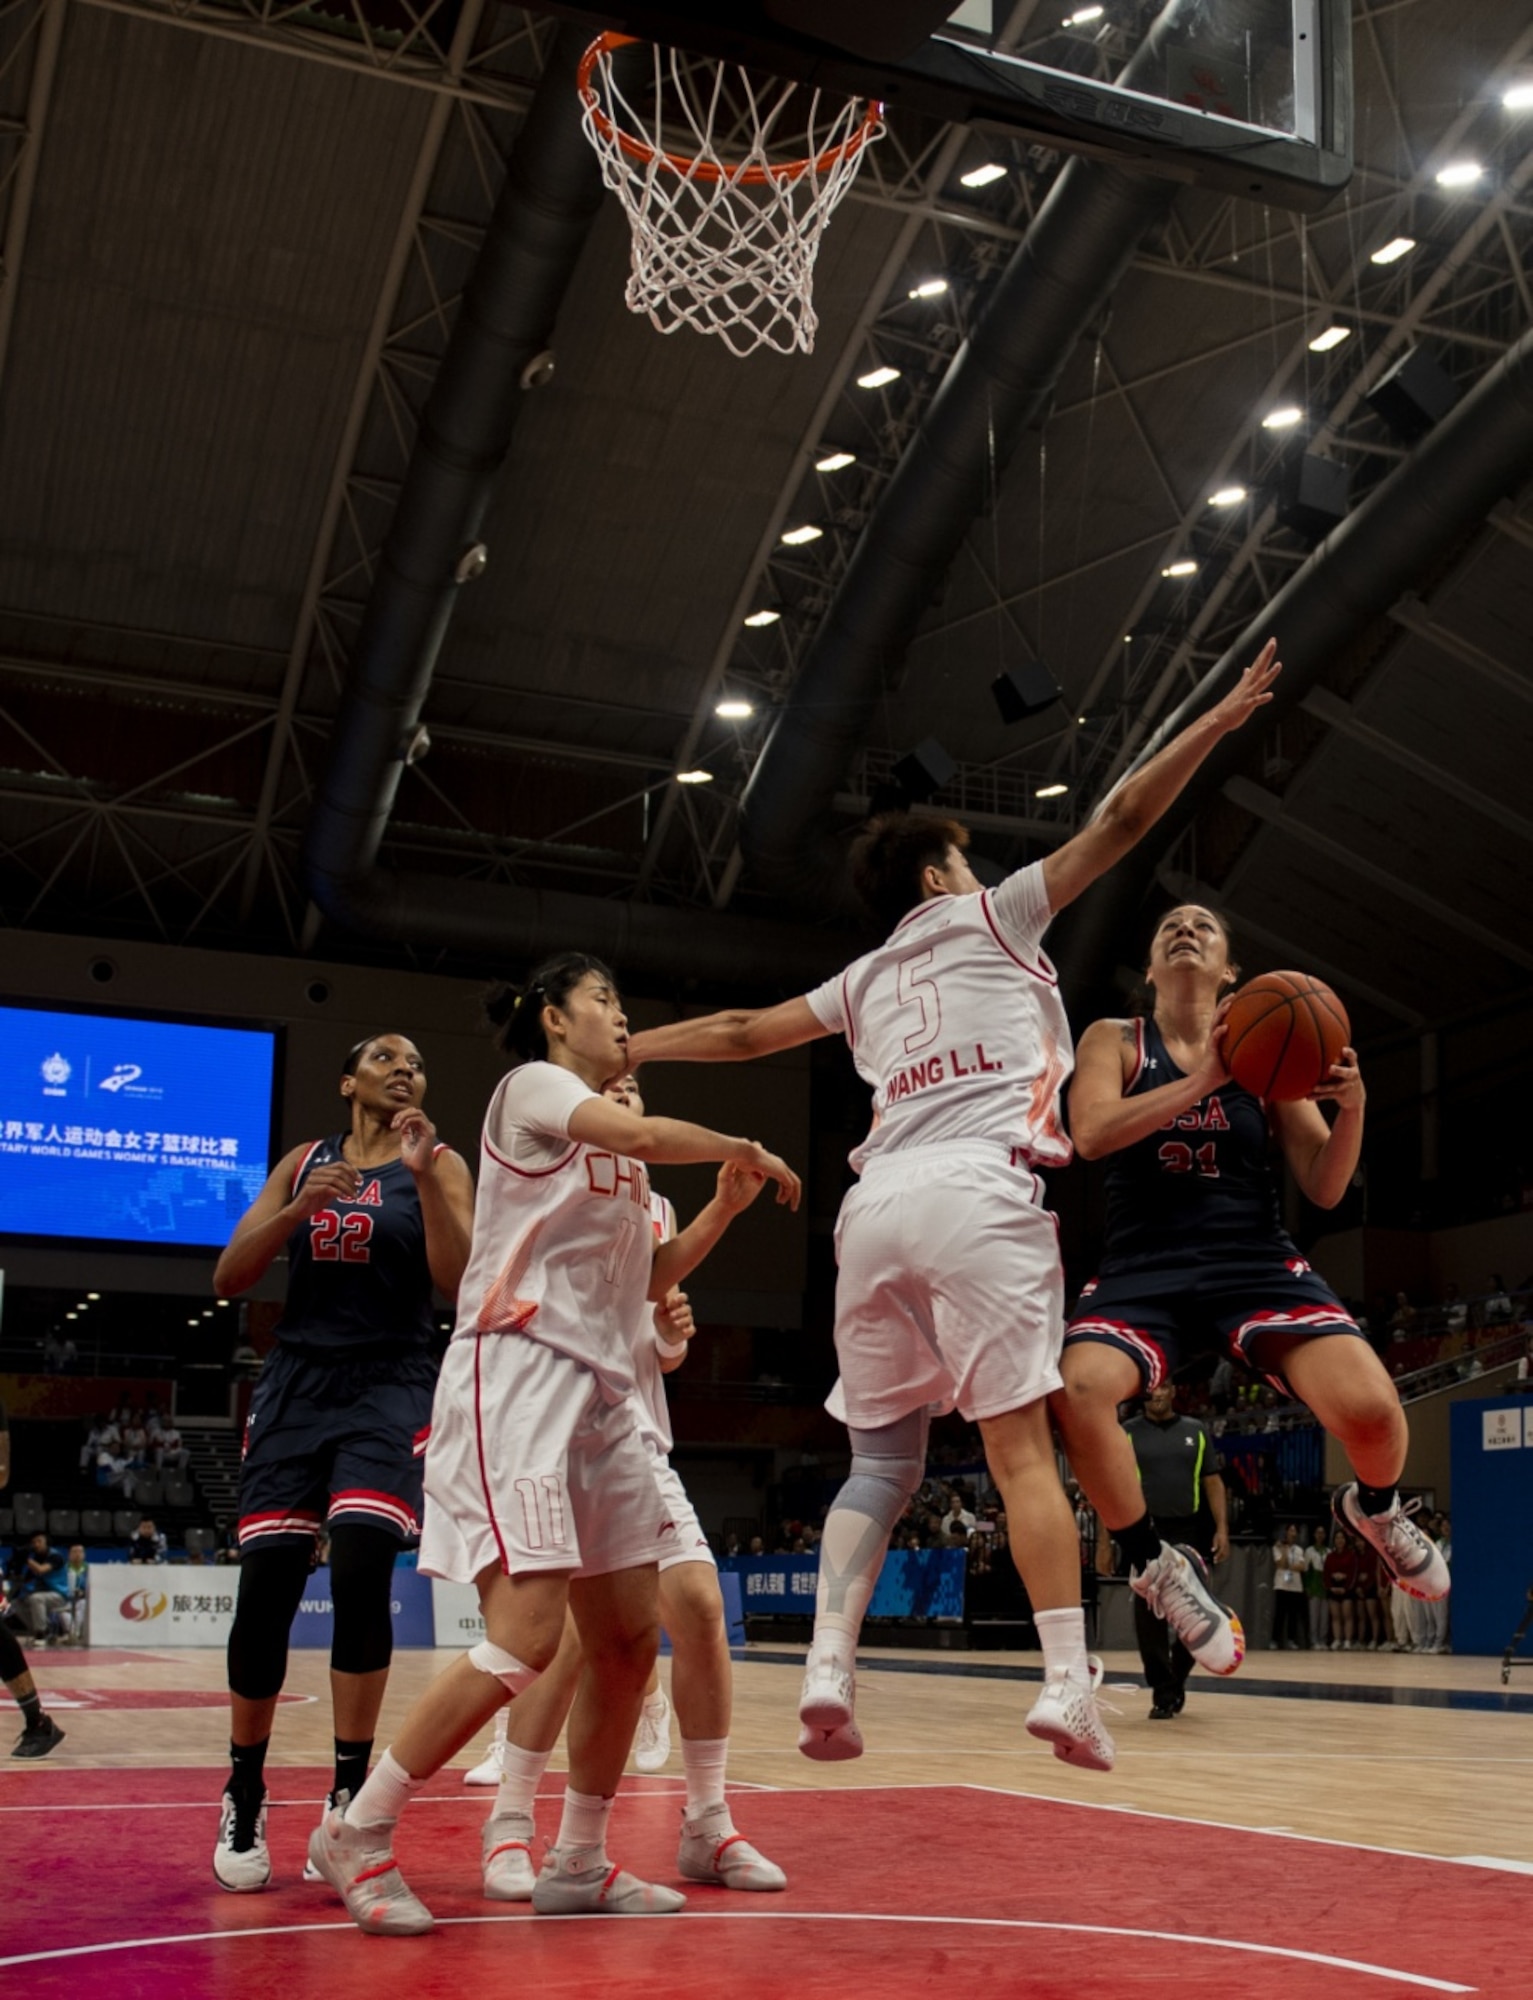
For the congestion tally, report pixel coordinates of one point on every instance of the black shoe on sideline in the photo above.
(1164, 1709)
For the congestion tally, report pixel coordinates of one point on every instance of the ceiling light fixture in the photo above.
(758, 619)
(1460, 174)
(1392, 251)
(1083, 15)
(930, 288)
(1227, 496)
(734, 710)
(838, 461)
(1186, 567)
(1519, 97)
(1284, 418)
(796, 537)
(1050, 791)
(992, 170)
(878, 378)
(1332, 337)
(694, 777)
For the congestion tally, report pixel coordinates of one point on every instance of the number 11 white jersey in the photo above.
(956, 1022)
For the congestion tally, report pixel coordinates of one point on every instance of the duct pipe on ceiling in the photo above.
(1061, 274)
(1480, 452)
(552, 192)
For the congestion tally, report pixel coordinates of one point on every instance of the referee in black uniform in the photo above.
(1184, 1492)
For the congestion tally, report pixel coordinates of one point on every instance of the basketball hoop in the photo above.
(725, 247)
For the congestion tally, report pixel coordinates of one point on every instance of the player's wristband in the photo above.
(671, 1350)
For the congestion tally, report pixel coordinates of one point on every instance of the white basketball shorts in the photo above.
(530, 1468)
(691, 1542)
(950, 1292)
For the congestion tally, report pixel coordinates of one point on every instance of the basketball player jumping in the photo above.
(949, 1291)
(1196, 1258)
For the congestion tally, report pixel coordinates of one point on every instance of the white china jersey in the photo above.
(562, 1241)
(957, 1023)
(649, 1401)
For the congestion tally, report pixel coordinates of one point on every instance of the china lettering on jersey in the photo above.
(562, 1245)
(956, 1022)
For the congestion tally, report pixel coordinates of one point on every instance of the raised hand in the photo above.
(757, 1160)
(1251, 692)
(417, 1138)
(334, 1182)
(1342, 1083)
(737, 1187)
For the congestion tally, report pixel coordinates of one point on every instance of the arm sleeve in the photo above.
(827, 1003)
(1021, 907)
(537, 1100)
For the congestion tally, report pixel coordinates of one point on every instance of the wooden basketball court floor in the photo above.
(1321, 1826)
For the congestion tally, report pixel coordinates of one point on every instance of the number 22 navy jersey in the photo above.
(1201, 1184)
(357, 1270)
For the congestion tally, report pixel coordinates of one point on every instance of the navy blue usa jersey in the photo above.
(357, 1270)
(1200, 1184)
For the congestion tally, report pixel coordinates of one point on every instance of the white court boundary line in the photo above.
(1221, 1826)
(1360, 1966)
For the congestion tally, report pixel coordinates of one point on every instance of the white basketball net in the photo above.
(723, 247)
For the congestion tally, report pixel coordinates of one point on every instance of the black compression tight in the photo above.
(272, 1582)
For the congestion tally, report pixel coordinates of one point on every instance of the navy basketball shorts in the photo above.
(331, 1440)
(1165, 1316)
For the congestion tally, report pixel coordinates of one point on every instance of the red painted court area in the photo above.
(110, 1893)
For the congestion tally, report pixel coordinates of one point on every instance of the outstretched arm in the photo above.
(1128, 813)
(675, 1142)
(736, 1035)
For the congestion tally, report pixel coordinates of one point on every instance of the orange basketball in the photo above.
(1282, 1033)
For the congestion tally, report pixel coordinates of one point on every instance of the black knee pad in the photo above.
(361, 1589)
(271, 1583)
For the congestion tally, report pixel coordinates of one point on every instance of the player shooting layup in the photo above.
(949, 1291)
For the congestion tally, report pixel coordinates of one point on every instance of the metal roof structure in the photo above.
(233, 242)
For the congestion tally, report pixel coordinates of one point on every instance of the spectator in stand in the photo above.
(74, 1587)
(148, 1545)
(1290, 1630)
(1497, 1309)
(135, 1441)
(170, 1454)
(957, 1515)
(1340, 1571)
(1370, 1611)
(91, 1449)
(37, 1589)
(1402, 1321)
(226, 1547)
(1437, 1614)
(1319, 1611)
(757, 1546)
(1455, 1309)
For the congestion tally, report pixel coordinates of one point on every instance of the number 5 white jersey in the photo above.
(956, 1022)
